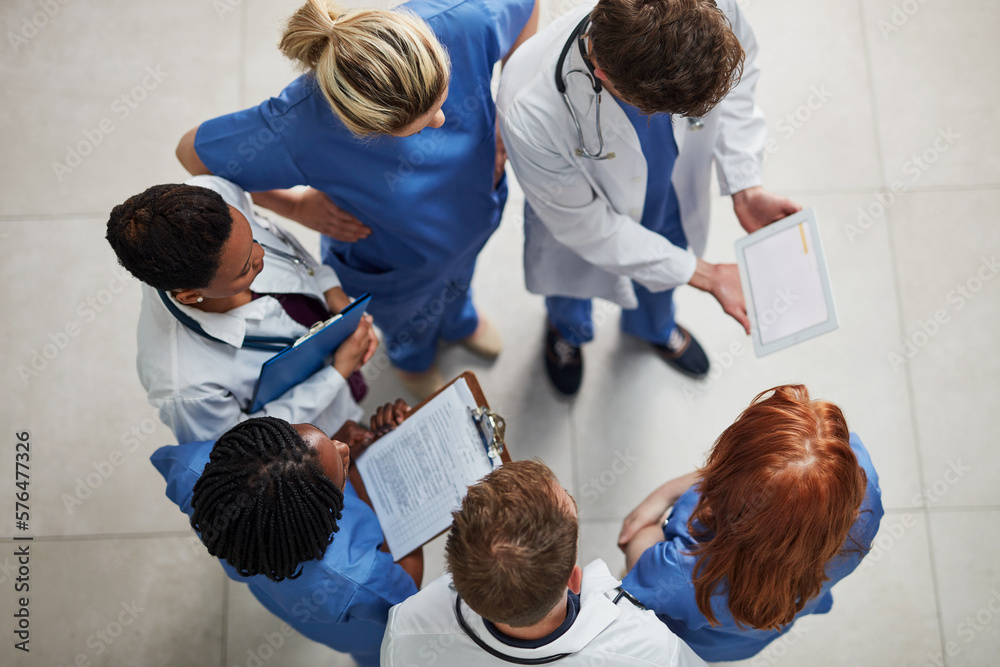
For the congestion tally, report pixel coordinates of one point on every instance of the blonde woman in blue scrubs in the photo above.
(393, 128)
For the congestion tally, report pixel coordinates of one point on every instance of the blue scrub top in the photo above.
(342, 600)
(429, 198)
(662, 578)
(661, 212)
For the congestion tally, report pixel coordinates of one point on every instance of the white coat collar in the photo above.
(278, 276)
(229, 327)
(597, 612)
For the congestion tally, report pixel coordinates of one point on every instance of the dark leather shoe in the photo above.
(563, 363)
(683, 353)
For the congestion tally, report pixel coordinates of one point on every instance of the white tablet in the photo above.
(786, 283)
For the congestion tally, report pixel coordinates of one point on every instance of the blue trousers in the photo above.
(412, 327)
(653, 320)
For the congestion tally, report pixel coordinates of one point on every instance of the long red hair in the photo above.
(779, 495)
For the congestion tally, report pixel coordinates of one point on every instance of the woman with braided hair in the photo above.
(274, 502)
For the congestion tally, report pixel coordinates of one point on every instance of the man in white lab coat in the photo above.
(612, 117)
(516, 595)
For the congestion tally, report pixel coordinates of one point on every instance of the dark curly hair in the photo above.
(263, 502)
(171, 236)
(667, 56)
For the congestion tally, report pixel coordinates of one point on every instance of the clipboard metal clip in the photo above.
(315, 329)
(492, 428)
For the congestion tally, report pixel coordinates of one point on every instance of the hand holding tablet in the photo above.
(786, 284)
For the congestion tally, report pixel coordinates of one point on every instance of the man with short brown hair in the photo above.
(617, 185)
(514, 592)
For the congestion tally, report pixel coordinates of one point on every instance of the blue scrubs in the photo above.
(428, 198)
(653, 319)
(342, 600)
(662, 577)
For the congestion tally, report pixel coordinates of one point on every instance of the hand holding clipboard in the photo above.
(417, 474)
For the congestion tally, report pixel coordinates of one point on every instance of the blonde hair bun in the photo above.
(379, 70)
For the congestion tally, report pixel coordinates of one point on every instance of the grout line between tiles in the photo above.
(573, 454)
(916, 436)
(880, 159)
(241, 86)
(55, 217)
(225, 620)
(869, 76)
(108, 536)
(964, 508)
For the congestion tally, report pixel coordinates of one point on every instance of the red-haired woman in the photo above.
(787, 505)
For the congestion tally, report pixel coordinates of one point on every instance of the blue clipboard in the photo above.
(309, 354)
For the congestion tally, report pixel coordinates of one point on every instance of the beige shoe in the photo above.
(485, 341)
(422, 385)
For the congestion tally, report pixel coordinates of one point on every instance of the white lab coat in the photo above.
(201, 386)
(423, 630)
(583, 236)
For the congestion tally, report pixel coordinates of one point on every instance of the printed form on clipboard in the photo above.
(418, 474)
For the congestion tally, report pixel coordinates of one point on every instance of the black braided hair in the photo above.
(263, 502)
(171, 236)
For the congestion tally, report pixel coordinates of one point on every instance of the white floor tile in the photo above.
(69, 379)
(814, 93)
(946, 247)
(106, 89)
(155, 602)
(936, 90)
(967, 564)
(255, 634)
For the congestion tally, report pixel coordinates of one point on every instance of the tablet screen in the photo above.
(786, 283)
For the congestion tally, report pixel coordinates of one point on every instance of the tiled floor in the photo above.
(884, 118)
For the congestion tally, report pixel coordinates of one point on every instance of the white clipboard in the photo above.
(785, 283)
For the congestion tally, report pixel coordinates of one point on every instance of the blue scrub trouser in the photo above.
(653, 320)
(413, 327)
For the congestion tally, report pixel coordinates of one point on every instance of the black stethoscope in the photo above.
(578, 35)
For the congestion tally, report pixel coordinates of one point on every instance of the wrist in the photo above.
(336, 299)
(704, 277)
(742, 197)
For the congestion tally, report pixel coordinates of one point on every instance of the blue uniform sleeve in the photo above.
(174, 462)
(871, 511)
(247, 148)
(387, 585)
(509, 18)
(661, 580)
